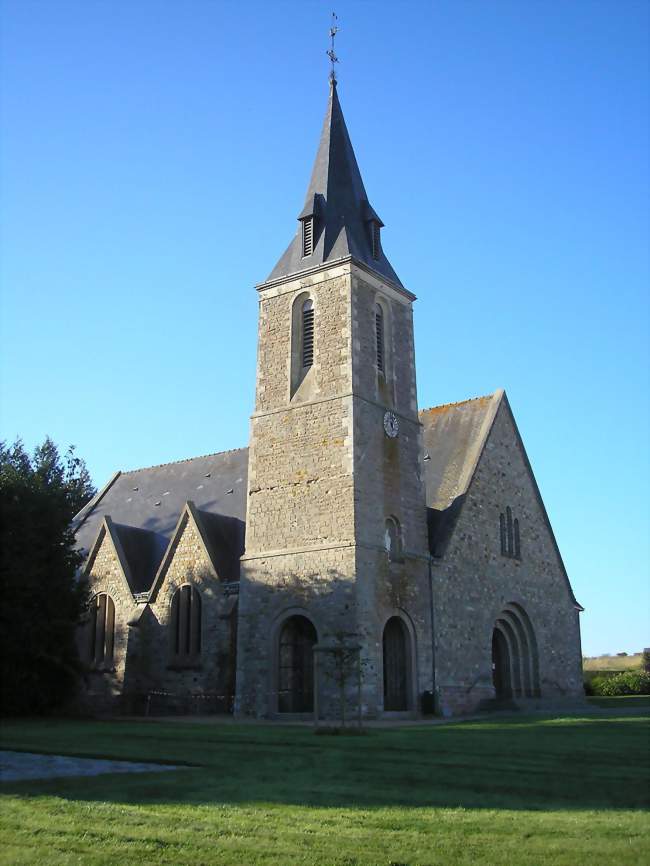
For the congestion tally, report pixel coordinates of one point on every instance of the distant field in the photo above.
(521, 791)
(612, 663)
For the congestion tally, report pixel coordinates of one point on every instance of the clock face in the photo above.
(391, 425)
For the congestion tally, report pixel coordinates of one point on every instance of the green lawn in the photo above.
(506, 791)
(612, 702)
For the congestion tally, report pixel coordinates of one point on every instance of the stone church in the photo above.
(360, 554)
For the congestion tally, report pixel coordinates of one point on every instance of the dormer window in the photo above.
(374, 226)
(307, 236)
(375, 240)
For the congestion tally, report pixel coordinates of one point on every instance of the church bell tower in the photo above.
(336, 537)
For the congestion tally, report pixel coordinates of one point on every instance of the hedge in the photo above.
(623, 683)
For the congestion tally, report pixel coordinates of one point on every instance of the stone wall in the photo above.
(389, 483)
(473, 582)
(103, 689)
(395, 388)
(300, 486)
(142, 660)
(318, 584)
(213, 675)
(323, 478)
(386, 589)
(300, 518)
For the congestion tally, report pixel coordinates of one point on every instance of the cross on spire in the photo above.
(334, 29)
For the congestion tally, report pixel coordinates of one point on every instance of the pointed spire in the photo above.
(343, 222)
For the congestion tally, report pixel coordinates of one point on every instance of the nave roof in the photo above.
(145, 506)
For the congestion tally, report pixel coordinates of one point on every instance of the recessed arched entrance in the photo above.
(397, 663)
(515, 660)
(500, 665)
(296, 666)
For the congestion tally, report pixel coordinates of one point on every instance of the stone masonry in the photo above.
(473, 582)
(142, 661)
(323, 478)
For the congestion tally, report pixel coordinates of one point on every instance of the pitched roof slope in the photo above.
(145, 506)
(143, 551)
(339, 203)
(453, 439)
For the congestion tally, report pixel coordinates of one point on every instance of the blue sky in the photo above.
(155, 157)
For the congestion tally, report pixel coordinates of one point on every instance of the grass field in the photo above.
(630, 702)
(613, 663)
(506, 791)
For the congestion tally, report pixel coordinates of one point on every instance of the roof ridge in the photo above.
(184, 460)
(457, 403)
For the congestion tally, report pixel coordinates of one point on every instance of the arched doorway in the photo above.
(500, 665)
(515, 661)
(296, 666)
(396, 665)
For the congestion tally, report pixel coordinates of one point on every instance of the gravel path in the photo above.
(16, 766)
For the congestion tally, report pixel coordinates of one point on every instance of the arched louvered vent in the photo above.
(379, 332)
(308, 236)
(375, 239)
(307, 333)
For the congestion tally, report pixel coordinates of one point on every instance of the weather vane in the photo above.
(332, 56)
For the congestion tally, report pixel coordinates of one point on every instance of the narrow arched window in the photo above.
(101, 630)
(307, 333)
(517, 552)
(185, 624)
(393, 539)
(379, 337)
(509, 531)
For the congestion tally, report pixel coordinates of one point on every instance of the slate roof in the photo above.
(453, 438)
(146, 504)
(338, 200)
(143, 551)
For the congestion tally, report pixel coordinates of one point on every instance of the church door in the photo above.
(501, 665)
(296, 666)
(396, 660)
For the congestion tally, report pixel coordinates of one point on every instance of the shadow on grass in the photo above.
(516, 763)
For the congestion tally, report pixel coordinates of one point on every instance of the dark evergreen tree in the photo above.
(42, 601)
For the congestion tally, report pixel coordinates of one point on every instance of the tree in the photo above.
(42, 601)
(342, 664)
